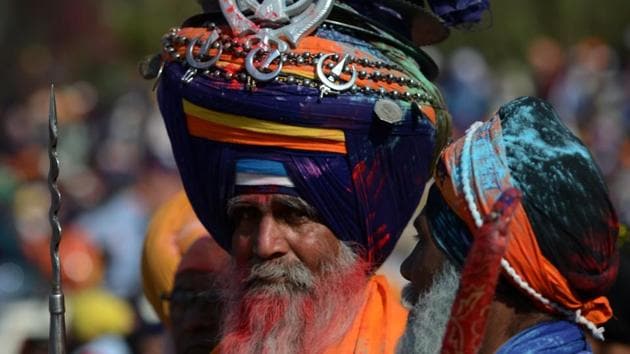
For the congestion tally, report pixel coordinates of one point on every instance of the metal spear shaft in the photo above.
(56, 305)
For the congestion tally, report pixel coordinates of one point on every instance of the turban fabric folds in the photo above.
(364, 176)
(562, 250)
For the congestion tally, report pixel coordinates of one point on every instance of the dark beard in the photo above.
(280, 307)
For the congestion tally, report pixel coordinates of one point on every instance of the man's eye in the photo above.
(244, 214)
(294, 216)
(299, 216)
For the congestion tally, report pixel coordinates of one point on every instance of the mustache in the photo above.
(409, 296)
(281, 275)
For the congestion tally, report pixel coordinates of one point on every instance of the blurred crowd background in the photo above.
(116, 163)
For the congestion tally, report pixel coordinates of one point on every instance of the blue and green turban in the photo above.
(363, 172)
(562, 249)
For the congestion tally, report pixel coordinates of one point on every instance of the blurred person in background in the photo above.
(547, 60)
(195, 308)
(560, 256)
(590, 99)
(172, 230)
(468, 87)
(136, 172)
(180, 262)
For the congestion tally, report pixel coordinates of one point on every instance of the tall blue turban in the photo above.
(363, 172)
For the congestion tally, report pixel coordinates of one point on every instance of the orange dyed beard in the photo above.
(282, 307)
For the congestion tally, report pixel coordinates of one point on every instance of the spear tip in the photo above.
(52, 113)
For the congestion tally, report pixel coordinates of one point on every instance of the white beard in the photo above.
(303, 314)
(429, 317)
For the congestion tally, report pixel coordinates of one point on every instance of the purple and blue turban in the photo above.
(363, 169)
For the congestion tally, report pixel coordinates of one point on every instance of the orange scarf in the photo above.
(379, 323)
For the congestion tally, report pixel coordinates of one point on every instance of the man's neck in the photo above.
(504, 322)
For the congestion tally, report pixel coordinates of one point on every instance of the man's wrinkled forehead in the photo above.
(269, 201)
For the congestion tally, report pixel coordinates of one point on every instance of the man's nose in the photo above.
(271, 241)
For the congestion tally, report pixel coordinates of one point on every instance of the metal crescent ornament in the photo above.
(303, 18)
(332, 79)
(203, 51)
(255, 72)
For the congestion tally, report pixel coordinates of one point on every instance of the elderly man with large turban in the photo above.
(304, 133)
(517, 244)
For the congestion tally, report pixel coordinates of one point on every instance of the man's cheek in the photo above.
(241, 248)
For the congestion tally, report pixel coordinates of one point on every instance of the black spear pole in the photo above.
(57, 336)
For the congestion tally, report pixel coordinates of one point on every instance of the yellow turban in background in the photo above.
(96, 312)
(173, 228)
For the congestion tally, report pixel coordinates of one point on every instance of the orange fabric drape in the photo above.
(379, 323)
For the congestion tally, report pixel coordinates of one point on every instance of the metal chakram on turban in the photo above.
(344, 117)
(562, 249)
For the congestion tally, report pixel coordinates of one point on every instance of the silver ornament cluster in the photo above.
(328, 67)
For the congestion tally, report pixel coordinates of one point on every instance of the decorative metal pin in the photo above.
(203, 52)
(258, 73)
(189, 75)
(159, 76)
(333, 80)
(326, 91)
(388, 111)
(56, 304)
(151, 68)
